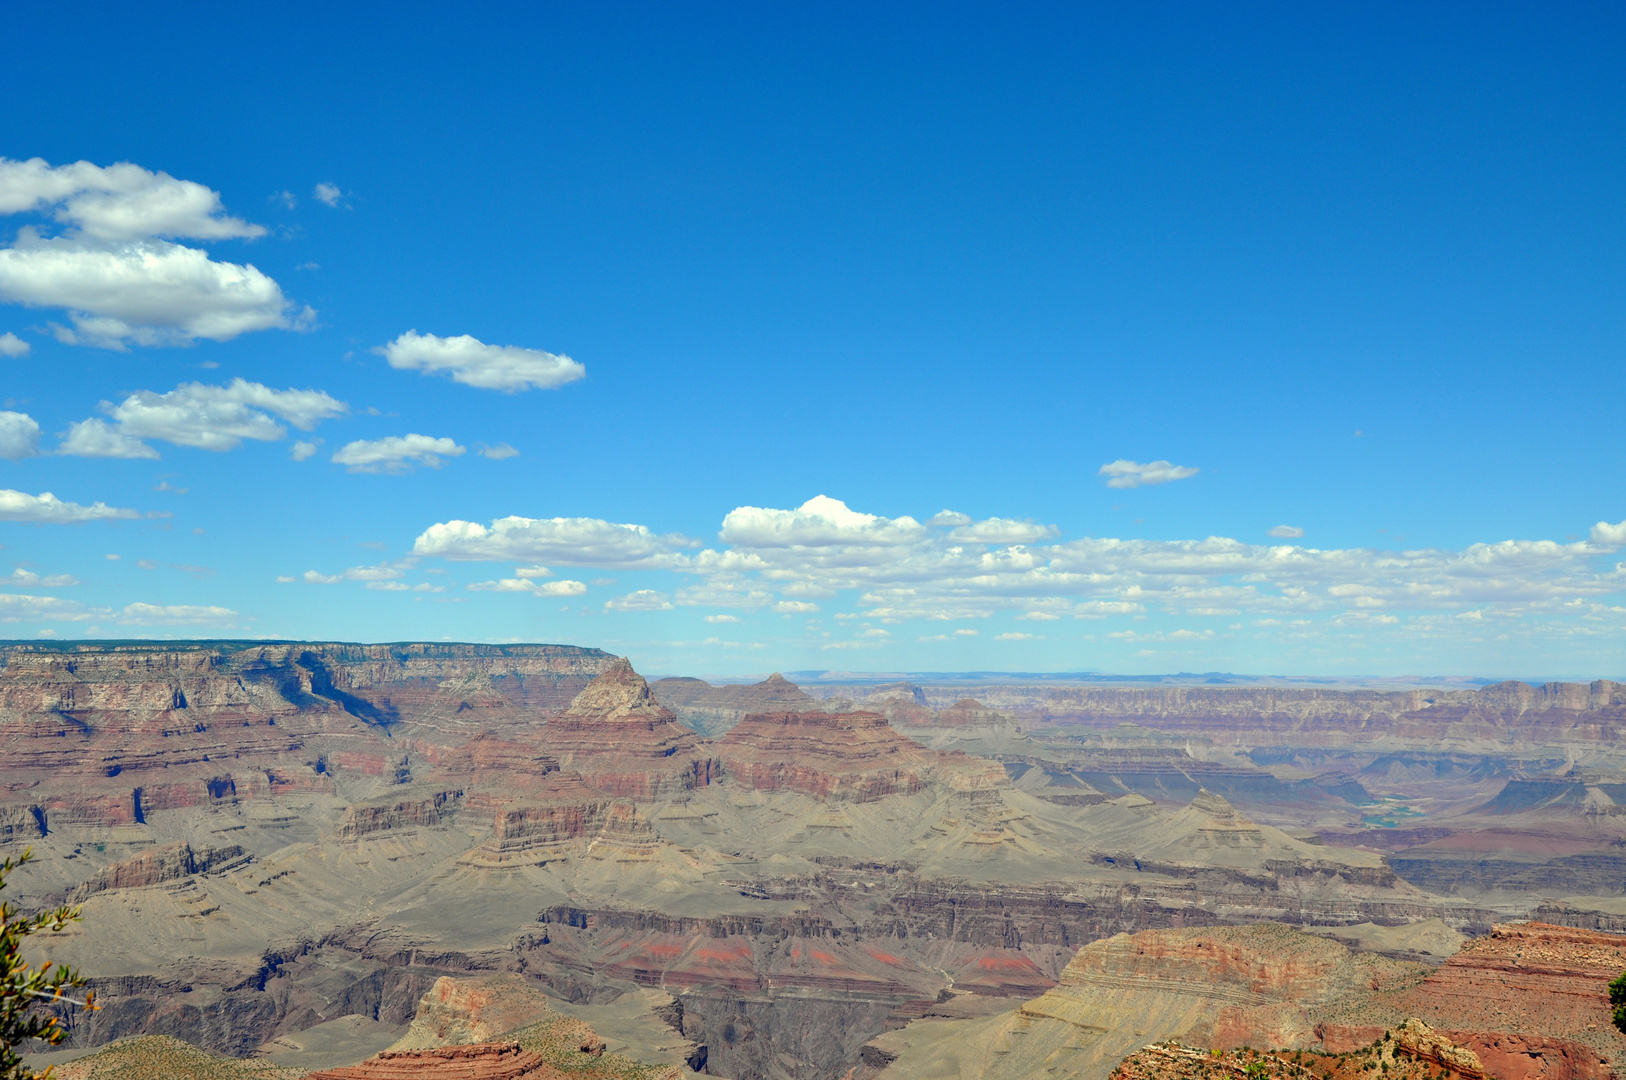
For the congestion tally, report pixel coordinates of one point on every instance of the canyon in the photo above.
(276, 840)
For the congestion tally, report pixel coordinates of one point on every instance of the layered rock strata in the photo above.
(1509, 713)
(713, 710)
(853, 755)
(156, 866)
(481, 1061)
(96, 737)
(624, 742)
(1260, 985)
(1529, 991)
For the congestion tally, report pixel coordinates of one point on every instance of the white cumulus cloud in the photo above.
(151, 292)
(1003, 531)
(12, 345)
(819, 522)
(396, 453)
(19, 436)
(472, 362)
(1605, 533)
(1285, 532)
(1132, 474)
(896, 569)
(98, 438)
(570, 541)
(118, 202)
(47, 509)
(562, 587)
(304, 450)
(328, 193)
(116, 269)
(198, 415)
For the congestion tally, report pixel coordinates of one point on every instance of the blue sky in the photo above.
(820, 277)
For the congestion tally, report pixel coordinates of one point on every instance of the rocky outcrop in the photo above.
(565, 819)
(1529, 979)
(624, 742)
(852, 755)
(1413, 1051)
(713, 710)
(391, 814)
(481, 1061)
(970, 713)
(170, 862)
(457, 1012)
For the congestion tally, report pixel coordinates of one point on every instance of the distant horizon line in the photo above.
(837, 677)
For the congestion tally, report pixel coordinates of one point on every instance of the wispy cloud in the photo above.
(46, 509)
(641, 600)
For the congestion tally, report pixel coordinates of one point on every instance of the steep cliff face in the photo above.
(168, 862)
(97, 736)
(1528, 979)
(625, 742)
(853, 755)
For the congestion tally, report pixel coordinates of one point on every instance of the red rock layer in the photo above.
(625, 743)
(1265, 960)
(564, 819)
(1529, 987)
(391, 814)
(857, 754)
(854, 755)
(1505, 1055)
(99, 735)
(481, 1061)
(968, 712)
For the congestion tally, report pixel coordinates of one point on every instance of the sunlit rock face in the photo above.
(624, 742)
(852, 755)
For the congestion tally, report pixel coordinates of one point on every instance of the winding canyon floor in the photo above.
(282, 849)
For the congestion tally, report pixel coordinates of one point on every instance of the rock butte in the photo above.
(625, 742)
(712, 710)
(484, 1061)
(855, 755)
